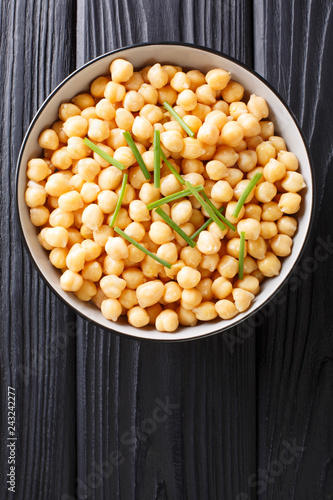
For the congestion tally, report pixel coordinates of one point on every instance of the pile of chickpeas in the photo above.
(72, 193)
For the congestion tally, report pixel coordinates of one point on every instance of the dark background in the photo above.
(251, 412)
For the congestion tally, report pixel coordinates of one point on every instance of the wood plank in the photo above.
(205, 448)
(293, 50)
(36, 353)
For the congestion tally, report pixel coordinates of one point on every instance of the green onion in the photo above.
(178, 119)
(202, 202)
(246, 193)
(172, 168)
(223, 219)
(103, 154)
(203, 227)
(157, 159)
(143, 249)
(173, 197)
(241, 255)
(175, 227)
(137, 155)
(120, 199)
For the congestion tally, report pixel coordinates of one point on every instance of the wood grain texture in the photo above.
(33, 60)
(295, 356)
(212, 419)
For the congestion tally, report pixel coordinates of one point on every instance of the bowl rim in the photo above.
(204, 49)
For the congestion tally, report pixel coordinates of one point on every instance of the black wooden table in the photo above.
(231, 417)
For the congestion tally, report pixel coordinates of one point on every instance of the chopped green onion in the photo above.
(137, 155)
(203, 227)
(103, 154)
(172, 168)
(178, 119)
(246, 193)
(142, 248)
(175, 227)
(173, 197)
(202, 202)
(120, 199)
(223, 219)
(157, 159)
(241, 255)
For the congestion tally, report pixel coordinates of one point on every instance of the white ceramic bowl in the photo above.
(187, 56)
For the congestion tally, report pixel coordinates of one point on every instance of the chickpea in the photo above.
(258, 107)
(150, 293)
(111, 309)
(168, 252)
(218, 79)
(107, 201)
(180, 82)
(172, 292)
(214, 229)
(242, 298)
(274, 171)
(268, 230)
(89, 113)
(138, 211)
(229, 211)
(76, 258)
(217, 118)
(186, 318)
(208, 133)
(61, 218)
(205, 311)
(56, 237)
(240, 188)
(194, 178)
(270, 265)
(250, 124)
(226, 309)
(287, 225)
(293, 182)
(265, 192)
(66, 110)
(124, 119)
(196, 78)
(257, 248)
(167, 321)
(158, 76)
(249, 283)
(168, 94)
(133, 101)
(38, 169)
(121, 70)
(278, 143)
(86, 232)
(112, 286)
(208, 243)
(237, 108)
(92, 271)
(92, 249)
(110, 266)
(187, 99)
(288, 159)
(197, 218)
(116, 248)
(71, 281)
(210, 262)
(192, 166)
(149, 93)
(170, 185)
(190, 256)
(70, 201)
(188, 277)
(136, 231)
(128, 298)
(265, 151)
(93, 216)
(122, 219)
(193, 122)
(188, 229)
(271, 211)
(249, 265)
(115, 140)
(247, 160)
(201, 111)
(221, 287)
(148, 193)
(98, 130)
(152, 113)
(48, 139)
(234, 176)
(76, 148)
(281, 245)
(150, 267)
(226, 155)
(74, 236)
(114, 92)
(35, 195)
(251, 227)
(222, 192)
(233, 91)
(172, 140)
(110, 178)
(135, 255)
(87, 291)
(83, 101)
(192, 148)
(58, 256)
(190, 298)
(99, 298)
(125, 156)
(160, 233)
(290, 203)
(205, 94)
(88, 169)
(216, 170)
(89, 192)
(181, 212)
(98, 86)
(61, 159)
(231, 134)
